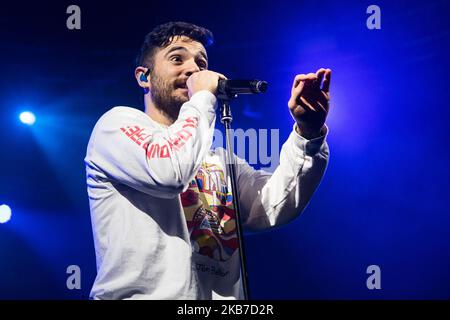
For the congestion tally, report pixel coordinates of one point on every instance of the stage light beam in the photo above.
(5, 213)
(27, 117)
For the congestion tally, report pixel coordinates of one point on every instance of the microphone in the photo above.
(233, 87)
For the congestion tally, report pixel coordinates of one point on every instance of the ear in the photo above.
(142, 75)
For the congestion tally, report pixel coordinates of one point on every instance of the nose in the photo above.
(191, 67)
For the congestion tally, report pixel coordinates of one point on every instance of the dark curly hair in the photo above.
(162, 35)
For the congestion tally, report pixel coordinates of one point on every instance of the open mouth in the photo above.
(181, 85)
(183, 89)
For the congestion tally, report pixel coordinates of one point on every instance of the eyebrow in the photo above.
(184, 49)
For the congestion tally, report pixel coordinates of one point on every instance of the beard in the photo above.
(164, 99)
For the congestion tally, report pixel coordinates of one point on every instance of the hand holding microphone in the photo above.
(219, 85)
(204, 80)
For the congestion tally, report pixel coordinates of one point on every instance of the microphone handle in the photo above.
(233, 87)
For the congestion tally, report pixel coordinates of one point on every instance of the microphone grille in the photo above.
(261, 86)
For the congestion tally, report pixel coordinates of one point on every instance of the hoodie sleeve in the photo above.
(269, 200)
(126, 147)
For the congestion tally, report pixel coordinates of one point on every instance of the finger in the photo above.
(324, 101)
(321, 106)
(325, 96)
(305, 104)
(315, 94)
(297, 79)
(312, 92)
(303, 77)
(312, 83)
(320, 74)
(326, 81)
(297, 91)
(315, 98)
(221, 76)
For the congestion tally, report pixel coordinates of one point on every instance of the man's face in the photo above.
(172, 67)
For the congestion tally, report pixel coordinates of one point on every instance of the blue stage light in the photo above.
(27, 117)
(5, 213)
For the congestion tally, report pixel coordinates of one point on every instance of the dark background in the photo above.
(384, 197)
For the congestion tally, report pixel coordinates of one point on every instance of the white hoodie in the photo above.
(161, 205)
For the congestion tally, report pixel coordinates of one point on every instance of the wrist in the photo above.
(308, 134)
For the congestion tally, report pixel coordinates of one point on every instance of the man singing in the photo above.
(161, 207)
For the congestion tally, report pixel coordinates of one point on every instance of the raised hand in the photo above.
(309, 102)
